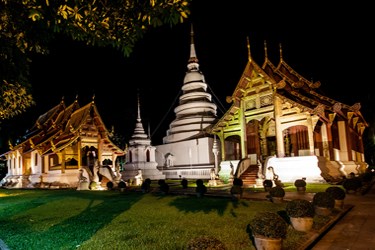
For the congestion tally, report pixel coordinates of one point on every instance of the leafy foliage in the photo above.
(200, 188)
(267, 183)
(14, 99)
(300, 183)
(238, 182)
(300, 208)
(337, 192)
(323, 199)
(277, 192)
(27, 27)
(268, 224)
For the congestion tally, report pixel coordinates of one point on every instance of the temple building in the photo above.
(66, 146)
(280, 127)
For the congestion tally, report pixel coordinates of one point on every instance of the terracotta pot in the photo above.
(301, 190)
(277, 199)
(262, 242)
(302, 224)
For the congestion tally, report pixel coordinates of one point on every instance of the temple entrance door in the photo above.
(232, 148)
(252, 134)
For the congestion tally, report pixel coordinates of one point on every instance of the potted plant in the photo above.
(122, 186)
(300, 184)
(200, 189)
(184, 183)
(277, 194)
(301, 213)
(109, 185)
(267, 184)
(323, 203)
(236, 190)
(352, 185)
(146, 185)
(163, 186)
(268, 229)
(338, 194)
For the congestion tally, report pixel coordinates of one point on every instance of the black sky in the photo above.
(331, 43)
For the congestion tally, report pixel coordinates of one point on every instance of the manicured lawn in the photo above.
(70, 219)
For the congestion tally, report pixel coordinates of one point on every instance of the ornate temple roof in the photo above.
(61, 126)
(291, 87)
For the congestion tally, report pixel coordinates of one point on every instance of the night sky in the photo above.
(331, 44)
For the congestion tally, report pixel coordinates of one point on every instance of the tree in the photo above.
(27, 26)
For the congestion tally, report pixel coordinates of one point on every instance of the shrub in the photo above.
(268, 224)
(122, 184)
(205, 242)
(184, 183)
(323, 199)
(300, 183)
(237, 182)
(337, 192)
(366, 177)
(163, 186)
(109, 185)
(236, 189)
(299, 208)
(277, 191)
(146, 185)
(352, 184)
(201, 189)
(267, 183)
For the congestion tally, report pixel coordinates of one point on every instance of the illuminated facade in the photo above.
(187, 149)
(278, 119)
(141, 155)
(66, 145)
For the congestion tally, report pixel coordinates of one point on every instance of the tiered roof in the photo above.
(61, 126)
(290, 86)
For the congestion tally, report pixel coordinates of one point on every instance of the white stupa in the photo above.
(187, 150)
(140, 159)
(196, 111)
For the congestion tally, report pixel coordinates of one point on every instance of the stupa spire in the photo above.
(193, 59)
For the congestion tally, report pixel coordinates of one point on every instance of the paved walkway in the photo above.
(353, 230)
(356, 230)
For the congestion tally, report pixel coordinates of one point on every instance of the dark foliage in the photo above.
(268, 224)
(300, 208)
(337, 192)
(323, 199)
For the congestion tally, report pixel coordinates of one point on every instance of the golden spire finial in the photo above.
(248, 48)
(191, 34)
(281, 52)
(265, 50)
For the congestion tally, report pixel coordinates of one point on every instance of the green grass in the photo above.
(70, 219)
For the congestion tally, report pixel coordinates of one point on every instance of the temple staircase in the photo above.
(249, 175)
